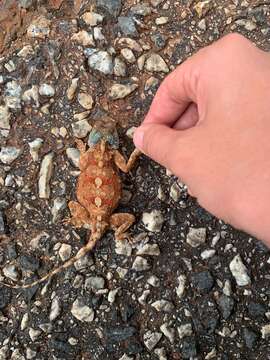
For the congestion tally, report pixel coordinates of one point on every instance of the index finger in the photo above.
(175, 94)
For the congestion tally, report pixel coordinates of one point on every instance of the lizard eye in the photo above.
(113, 140)
(94, 137)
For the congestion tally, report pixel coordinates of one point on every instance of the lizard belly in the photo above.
(99, 190)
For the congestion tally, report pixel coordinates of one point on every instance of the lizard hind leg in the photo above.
(120, 223)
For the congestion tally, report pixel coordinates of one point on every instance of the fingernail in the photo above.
(138, 138)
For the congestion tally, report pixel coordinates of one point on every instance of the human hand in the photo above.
(209, 123)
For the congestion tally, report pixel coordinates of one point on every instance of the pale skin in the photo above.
(209, 123)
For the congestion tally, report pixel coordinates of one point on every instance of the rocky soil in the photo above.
(190, 286)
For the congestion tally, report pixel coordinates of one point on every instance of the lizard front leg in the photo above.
(120, 223)
(121, 162)
(79, 215)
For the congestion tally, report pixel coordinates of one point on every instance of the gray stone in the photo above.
(155, 63)
(140, 264)
(123, 247)
(168, 331)
(95, 283)
(82, 312)
(34, 334)
(226, 305)
(256, 310)
(151, 339)
(153, 221)
(163, 305)
(65, 252)
(55, 309)
(120, 91)
(84, 262)
(202, 281)
(189, 348)
(45, 174)
(149, 249)
(119, 67)
(159, 40)
(239, 271)
(2, 224)
(127, 26)
(81, 128)
(184, 331)
(74, 156)
(112, 6)
(101, 61)
(250, 338)
(4, 119)
(59, 204)
(141, 9)
(46, 90)
(11, 272)
(196, 237)
(35, 146)
(13, 93)
(9, 154)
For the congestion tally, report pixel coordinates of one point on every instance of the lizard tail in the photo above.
(83, 251)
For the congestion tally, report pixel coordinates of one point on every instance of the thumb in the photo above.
(169, 147)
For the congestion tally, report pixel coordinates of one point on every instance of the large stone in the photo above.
(112, 6)
(101, 61)
(155, 63)
(239, 271)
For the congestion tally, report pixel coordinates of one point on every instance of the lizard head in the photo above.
(104, 130)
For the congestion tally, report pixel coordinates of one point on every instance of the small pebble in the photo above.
(153, 221)
(239, 271)
(46, 90)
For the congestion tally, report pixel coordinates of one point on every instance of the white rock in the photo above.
(207, 254)
(202, 7)
(168, 331)
(161, 20)
(95, 283)
(196, 237)
(4, 350)
(140, 264)
(101, 61)
(123, 247)
(155, 63)
(153, 221)
(84, 262)
(175, 192)
(86, 101)
(130, 43)
(46, 90)
(120, 91)
(45, 174)
(74, 155)
(153, 281)
(16, 355)
(11, 272)
(125, 357)
(92, 18)
(4, 118)
(81, 128)
(184, 330)
(8, 154)
(65, 252)
(265, 331)
(249, 25)
(119, 67)
(128, 55)
(26, 51)
(181, 285)
(161, 353)
(142, 299)
(31, 94)
(55, 309)
(149, 249)
(72, 88)
(30, 354)
(163, 305)
(35, 146)
(112, 295)
(83, 38)
(82, 312)
(239, 271)
(98, 34)
(13, 93)
(24, 322)
(151, 339)
(202, 25)
(34, 334)
(39, 28)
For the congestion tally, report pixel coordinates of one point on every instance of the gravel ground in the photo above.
(63, 65)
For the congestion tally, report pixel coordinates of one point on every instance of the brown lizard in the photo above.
(98, 192)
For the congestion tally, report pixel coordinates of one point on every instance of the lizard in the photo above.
(98, 192)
